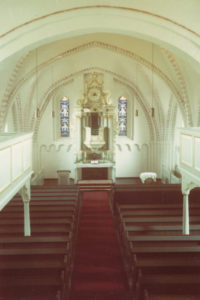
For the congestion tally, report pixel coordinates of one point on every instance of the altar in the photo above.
(96, 122)
(89, 171)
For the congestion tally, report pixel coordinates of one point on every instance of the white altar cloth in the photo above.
(146, 175)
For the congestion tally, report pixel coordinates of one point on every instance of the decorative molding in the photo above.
(140, 98)
(25, 191)
(130, 9)
(69, 79)
(46, 97)
(131, 55)
(156, 102)
(138, 147)
(187, 185)
(69, 148)
(55, 147)
(5, 101)
(181, 81)
(131, 147)
(171, 119)
(119, 147)
(174, 114)
(128, 147)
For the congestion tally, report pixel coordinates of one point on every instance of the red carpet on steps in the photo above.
(98, 272)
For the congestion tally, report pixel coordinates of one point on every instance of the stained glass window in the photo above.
(64, 117)
(122, 116)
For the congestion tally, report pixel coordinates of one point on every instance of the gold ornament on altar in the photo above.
(97, 115)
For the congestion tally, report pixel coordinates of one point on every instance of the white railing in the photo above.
(190, 153)
(37, 178)
(189, 167)
(16, 169)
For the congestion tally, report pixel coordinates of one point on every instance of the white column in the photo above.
(186, 225)
(27, 225)
(26, 196)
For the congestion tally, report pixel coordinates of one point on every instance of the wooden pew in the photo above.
(63, 220)
(159, 296)
(155, 206)
(48, 264)
(40, 201)
(156, 228)
(165, 238)
(169, 267)
(38, 214)
(48, 198)
(36, 230)
(163, 261)
(45, 259)
(172, 283)
(30, 240)
(158, 219)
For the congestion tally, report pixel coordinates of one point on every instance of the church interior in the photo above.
(99, 150)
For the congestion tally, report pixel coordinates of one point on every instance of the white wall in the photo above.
(131, 154)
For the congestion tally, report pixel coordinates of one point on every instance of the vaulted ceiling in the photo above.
(149, 48)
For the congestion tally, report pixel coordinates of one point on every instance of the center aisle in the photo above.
(98, 271)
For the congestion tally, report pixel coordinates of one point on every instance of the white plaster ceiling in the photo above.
(47, 43)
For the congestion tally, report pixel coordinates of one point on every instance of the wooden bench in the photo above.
(63, 220)
(46, 286)
(57, 203)
(31, 240)
(52, 262)
(49, 198)
(168, 283)
(157, 219)
(159, 296)
(156, 205)
(163, 261)
(165, 238)
(156, 228)
(41, 208)
(37, 214)
(46, 228)
(45, 258)
(50, 194)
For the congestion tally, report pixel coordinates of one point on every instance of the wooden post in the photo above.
(186, 225)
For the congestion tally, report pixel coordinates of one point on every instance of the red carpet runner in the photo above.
(98, 271)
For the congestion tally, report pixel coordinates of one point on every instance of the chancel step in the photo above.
(91, 185)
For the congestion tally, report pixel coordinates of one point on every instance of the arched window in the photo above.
(122, 116)
(64, 117)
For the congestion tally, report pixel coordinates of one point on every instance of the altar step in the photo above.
(95, 185)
